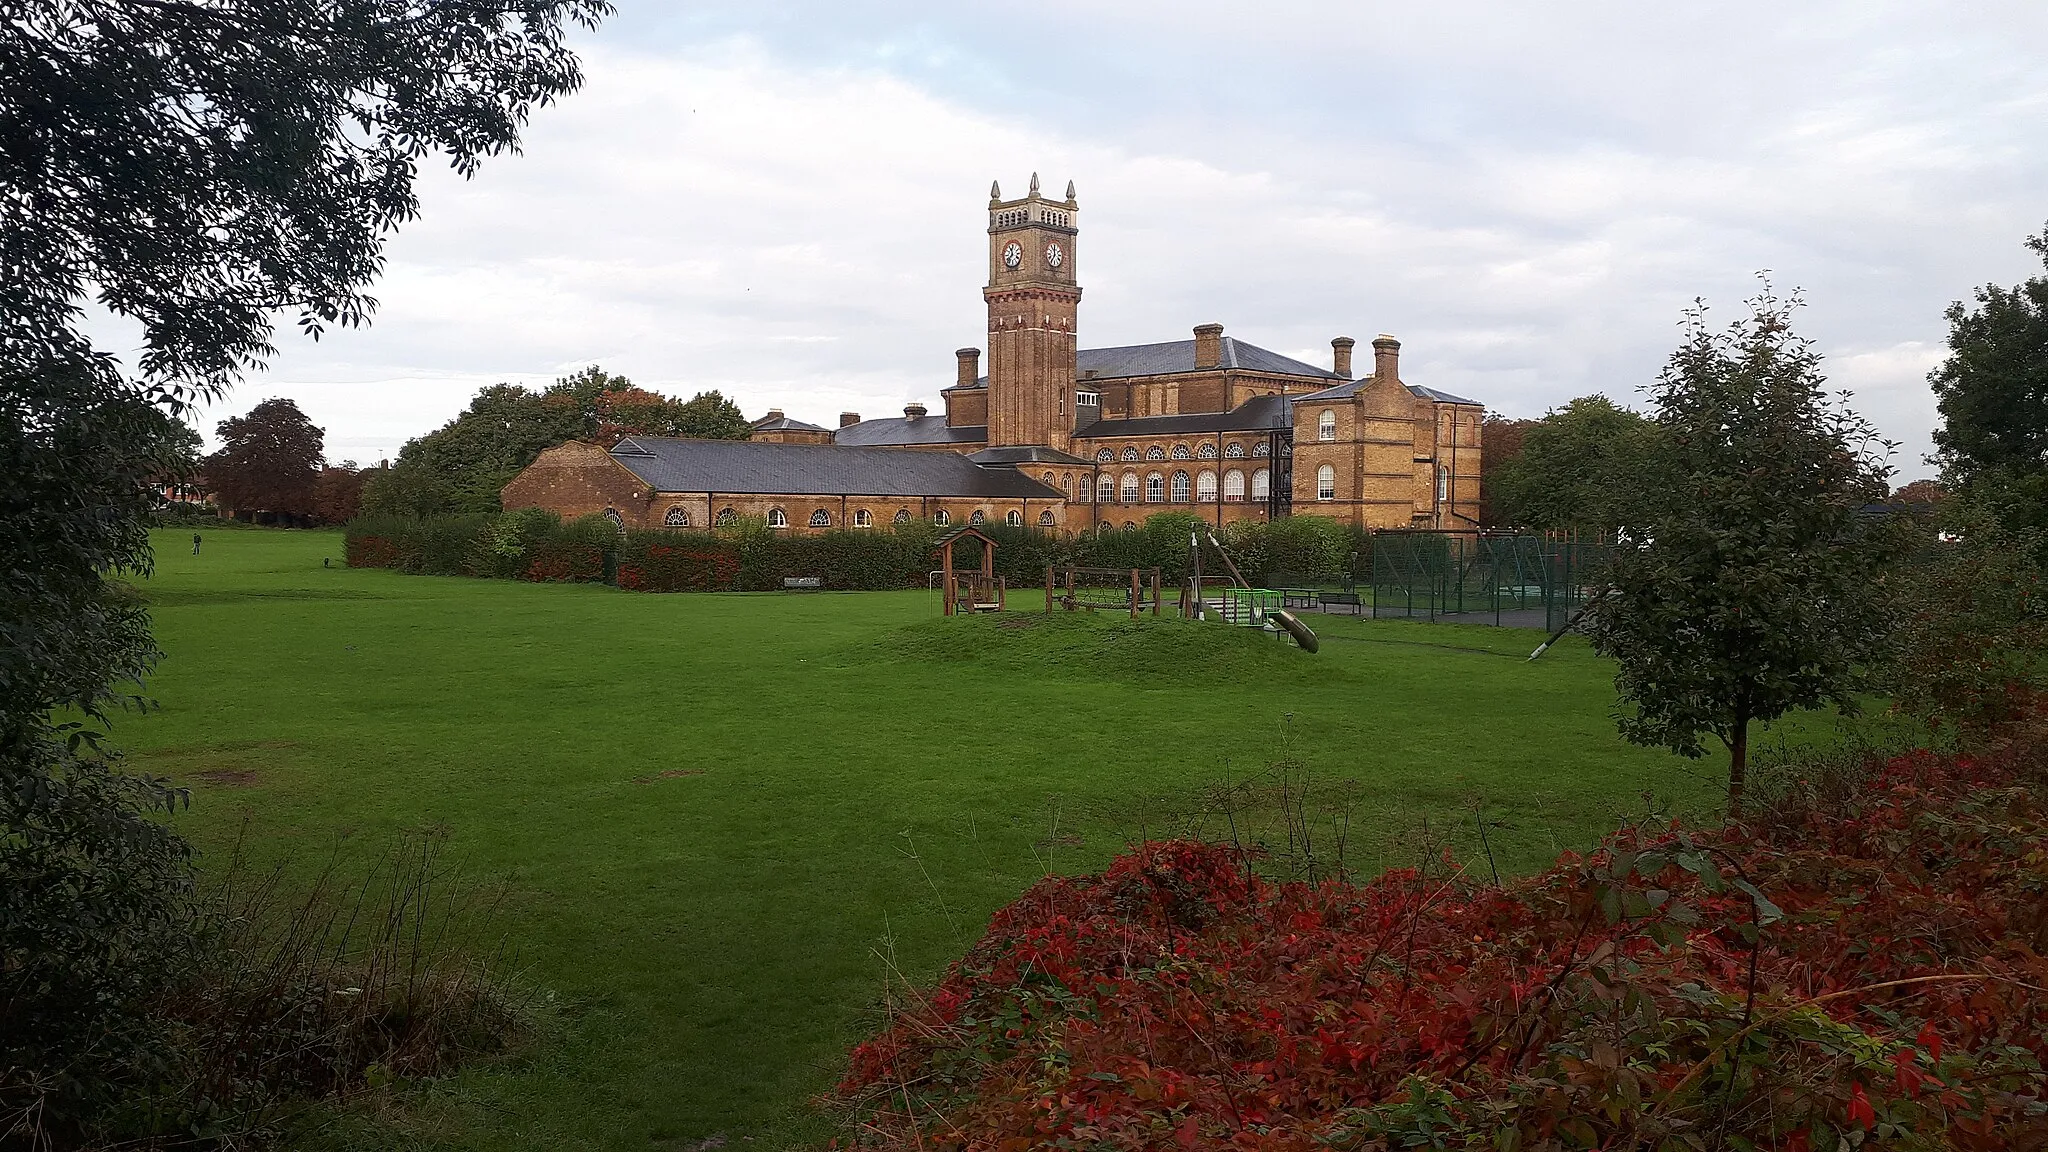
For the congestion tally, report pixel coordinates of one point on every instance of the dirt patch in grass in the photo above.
(227, 777)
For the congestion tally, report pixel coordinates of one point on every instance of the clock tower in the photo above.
(1032, 305)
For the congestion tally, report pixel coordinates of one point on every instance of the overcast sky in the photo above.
(785, 201)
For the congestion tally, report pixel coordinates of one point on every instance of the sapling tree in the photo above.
(1748, 583)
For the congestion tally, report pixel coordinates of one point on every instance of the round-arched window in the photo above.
(1207, 452)
(1180, 452)
(1262, 485)
(1233, 486)
(618, 521)
(978, 519)
(821, 519)
(1234, 452)
(862, 518)
(1179, 490)
(1155, 452)
(1205, 487)
(725, 516)
(941, 519)
(903, 515)
(1326, 482)
(1130, 487)
(676, 517)
(1105, 488)
(1262, 449)
(777, 519)
(1045, 519)
(1130, 453)
(1104, 456)
(1014, 518)
(1155, 488)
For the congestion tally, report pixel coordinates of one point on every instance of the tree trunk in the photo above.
(1738, 765)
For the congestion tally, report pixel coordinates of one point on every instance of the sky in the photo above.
(786, 201)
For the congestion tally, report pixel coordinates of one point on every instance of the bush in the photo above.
(1862, 972)
(676, 562)
(581, 550)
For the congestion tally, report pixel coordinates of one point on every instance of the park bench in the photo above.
(802, 583)
(1349, 600)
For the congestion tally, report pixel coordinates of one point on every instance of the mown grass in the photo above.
(715, 814)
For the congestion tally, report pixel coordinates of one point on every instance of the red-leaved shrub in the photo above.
(1865, 971)
(370, 552)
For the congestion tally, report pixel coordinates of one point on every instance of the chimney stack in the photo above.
(970, 367)
(913, 410)
(773, 415)
(1208, 346)
(1386, 358)
(848, 419)
(1342, 345)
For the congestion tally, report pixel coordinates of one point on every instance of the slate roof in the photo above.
(741, 467)
(1179, 356)
(784, 424)
(1350, 388)
(901, 430)
(1258, 414)
(1023, 454)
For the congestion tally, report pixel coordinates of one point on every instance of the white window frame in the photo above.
(1326, 482)
(1233, 487)
(1180, 488)
(1326, 425)
(777, 518)
(1205, 487)
(1155, 488)
(1262, 486)
(862, 518)
(677, 516)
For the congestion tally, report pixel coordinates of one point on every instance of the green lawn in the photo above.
(715, 936)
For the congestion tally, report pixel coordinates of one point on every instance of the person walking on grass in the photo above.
(195, 543)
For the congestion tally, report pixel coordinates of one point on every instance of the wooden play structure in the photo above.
(982, 591)
(1115, 589)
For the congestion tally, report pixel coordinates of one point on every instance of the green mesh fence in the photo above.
(1517, 580)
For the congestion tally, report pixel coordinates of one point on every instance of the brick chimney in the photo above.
(1386, 358)
(1341, 348)
(913, 410)
(970, 366)
(848, 419)
(1208, 345)
(773, 415)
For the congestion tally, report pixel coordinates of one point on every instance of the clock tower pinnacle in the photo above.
(1033, 303)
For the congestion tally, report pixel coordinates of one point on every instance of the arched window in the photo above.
(676, 517)
(1207, 452)
(776, 519)
(1130, 488)
(1262, 485)
(1045, 519)
(977, 519)
(1067, 483)
(1155, 452)
(1179, 490)
(821, 519)
(1326, 482)
(1155, 488)
(1104, 456)
(1130, 526)
(1180, 452)
(725, 516)
(618, 521)
(1262, 449)
(903, 515)
(1048, 480)
(1443, 484)
(1130, 453)
(862, 518)
(1105, 488)
(1233, 486)
(1205, 487)
(1014, 518)
(1326, 425)
(1233, 452)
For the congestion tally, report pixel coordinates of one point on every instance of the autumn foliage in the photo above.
(1859, 966)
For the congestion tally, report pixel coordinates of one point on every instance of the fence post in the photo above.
(1134, 593)
(1155, 592)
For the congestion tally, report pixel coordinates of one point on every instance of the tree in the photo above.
(269, 460)
(197, 166)
(1751, 586)
(710, 416)
(1501, 441)
(1576, 468)
(338, 494)
(1992, 392)
(460, 466)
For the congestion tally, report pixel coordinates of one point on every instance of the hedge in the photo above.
(531, 544)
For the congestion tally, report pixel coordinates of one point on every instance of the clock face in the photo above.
(1053, 256)
(1013, 255)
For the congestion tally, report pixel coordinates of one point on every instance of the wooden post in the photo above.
(1155, 592)
(1135, 593)
(1048, 588)
(946, 574)
(1002, 591)
(1070, 588)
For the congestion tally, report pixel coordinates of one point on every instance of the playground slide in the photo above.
(1295, 628)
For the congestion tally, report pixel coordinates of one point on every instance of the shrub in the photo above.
(581, 550)
(500, 549)
(1863, 972)
(677, 562)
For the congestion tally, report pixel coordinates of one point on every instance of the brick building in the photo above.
(1055, 435)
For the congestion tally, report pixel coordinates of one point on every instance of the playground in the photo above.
(723, 820)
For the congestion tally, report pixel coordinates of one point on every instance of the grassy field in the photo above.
(848, 776)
